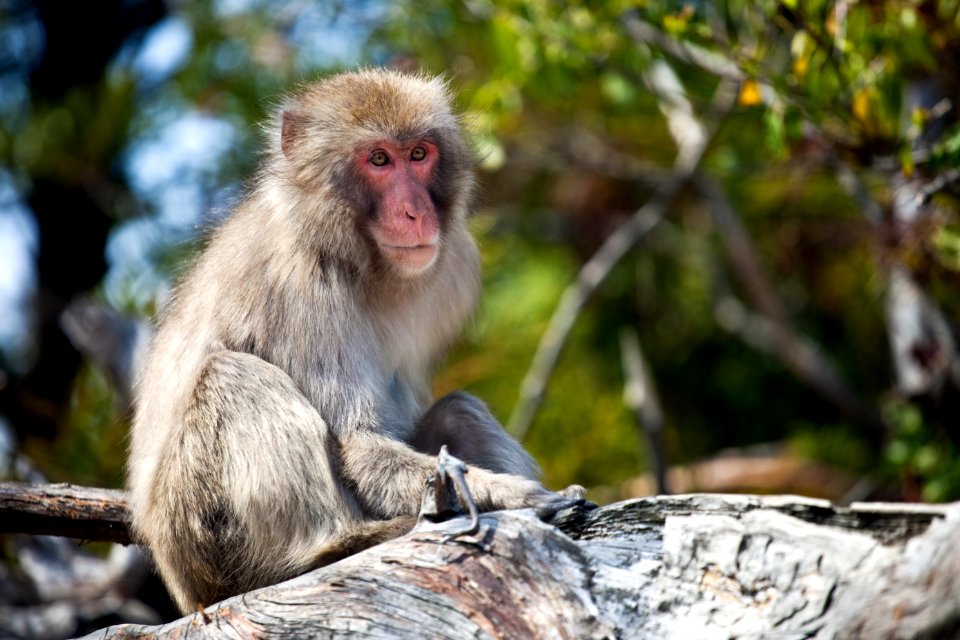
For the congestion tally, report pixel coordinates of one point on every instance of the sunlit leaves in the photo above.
(750, 94)
(775, 130)
(871, 113)
(854, 64)
(676, 23)
(946, 152)
(801, 48)
(617, 89)
(946, 240)
(570, 141)
(922, 454)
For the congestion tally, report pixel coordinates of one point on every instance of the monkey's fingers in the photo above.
(550, 504)
(577, 491)
(573, 491)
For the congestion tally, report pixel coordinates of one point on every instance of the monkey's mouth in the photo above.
(412, 258)
(414, 247)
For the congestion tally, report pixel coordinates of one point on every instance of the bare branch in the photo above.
(597, 268)
(772, 331)
(854, 185)
(64, 510)
(939, 183)
(718, 65)
(923, 348)
(640, 394)
(591, 275)
(684, 126)
(823, 571)
(799, 354)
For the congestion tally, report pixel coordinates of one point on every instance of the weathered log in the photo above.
(64, 510)
(695, 566)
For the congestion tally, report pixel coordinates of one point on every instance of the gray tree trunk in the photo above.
(686, 567)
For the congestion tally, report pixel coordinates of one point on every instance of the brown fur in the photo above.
(283, 418)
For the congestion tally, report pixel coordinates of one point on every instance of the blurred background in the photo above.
(721, 239)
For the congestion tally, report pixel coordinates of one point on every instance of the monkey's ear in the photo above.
(291, 130)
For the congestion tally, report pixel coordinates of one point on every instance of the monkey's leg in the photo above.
(249, 489)
(464, 423)
(363, 536)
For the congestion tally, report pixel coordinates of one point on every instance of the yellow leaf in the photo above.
(907, 164)
(800, 66)
(800, 49)
(750, 93)
(861, 104)
(919, 116)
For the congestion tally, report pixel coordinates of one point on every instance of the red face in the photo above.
(406, 228)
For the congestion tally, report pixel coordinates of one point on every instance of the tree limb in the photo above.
(771, 331)
(695, 566)
(64, 510)
(640, 394)
(598, 267)
(710, 61)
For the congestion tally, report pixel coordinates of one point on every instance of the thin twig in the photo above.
(640, 394)
(801, 355)
(853, 184)
(714, 63)
(938, 183)
(923, 348)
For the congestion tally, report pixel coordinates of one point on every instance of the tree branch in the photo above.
(64, 510)
(772, 331)
(710, 565)
(598, 267)
(711, 62)
(640, 394)
(763, 567)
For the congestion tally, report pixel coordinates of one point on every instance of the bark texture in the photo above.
(686, 567)
(64, 510)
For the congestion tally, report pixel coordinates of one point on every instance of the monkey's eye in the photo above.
(379, 158)
(418, 153)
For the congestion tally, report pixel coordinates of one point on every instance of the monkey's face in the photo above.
(386, 149)
(403, 219)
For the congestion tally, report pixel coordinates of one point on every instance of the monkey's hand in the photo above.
(494, 491)
(447, 495)
(440, 499)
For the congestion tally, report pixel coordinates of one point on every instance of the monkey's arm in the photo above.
(388, 478)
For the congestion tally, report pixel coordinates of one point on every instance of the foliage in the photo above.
(922, 454)
(825, 83)
(91, 448)
(573, 136)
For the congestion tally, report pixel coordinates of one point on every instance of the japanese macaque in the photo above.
(283, 418)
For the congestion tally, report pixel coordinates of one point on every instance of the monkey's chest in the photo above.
(405, 408)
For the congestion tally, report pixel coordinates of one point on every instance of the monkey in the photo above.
(283, 418)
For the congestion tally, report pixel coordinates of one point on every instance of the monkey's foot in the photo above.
(447, 494)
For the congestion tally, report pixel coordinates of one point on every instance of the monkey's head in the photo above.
(384, 154)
